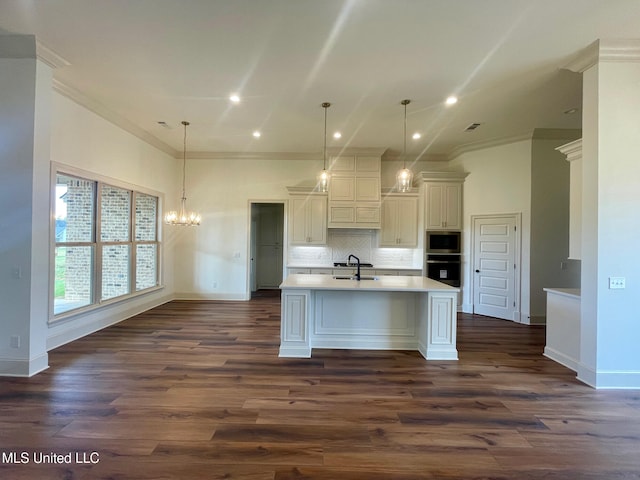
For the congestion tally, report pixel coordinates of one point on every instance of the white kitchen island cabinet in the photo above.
(389, 313)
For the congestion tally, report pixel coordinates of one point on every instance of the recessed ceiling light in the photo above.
(235, 98)
(416, 136)
(452, 100)
(337, 135)
(257, 134)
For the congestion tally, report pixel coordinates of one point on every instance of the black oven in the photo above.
(444, 268)
(439, 241)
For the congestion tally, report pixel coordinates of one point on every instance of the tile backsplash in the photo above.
(361, 243)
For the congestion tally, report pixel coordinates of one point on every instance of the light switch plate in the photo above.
(617, 282)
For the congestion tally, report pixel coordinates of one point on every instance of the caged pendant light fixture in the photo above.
(183, 217)
(404, 177)
(325, 176)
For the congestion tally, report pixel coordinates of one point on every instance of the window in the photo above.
(106, 243)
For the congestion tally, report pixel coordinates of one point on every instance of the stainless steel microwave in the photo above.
(440, 241)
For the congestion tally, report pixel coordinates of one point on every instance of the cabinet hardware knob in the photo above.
(477, 271)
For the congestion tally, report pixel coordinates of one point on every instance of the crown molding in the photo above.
(109, 115)
(535, 134)
(429, 157)
(492, 142)
(50, 57)
(252, 155)
(333, 152)
(573, 150)
(305, 189)
(620, 50)
(441, 176)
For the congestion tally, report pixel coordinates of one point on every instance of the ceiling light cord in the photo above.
(325, 105)
(404, 134)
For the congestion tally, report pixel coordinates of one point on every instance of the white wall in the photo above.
(25, 113)
(499, 181)
(610, 225)
(84, 140)
(216, 252)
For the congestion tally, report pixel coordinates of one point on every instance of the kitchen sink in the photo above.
(352, 277)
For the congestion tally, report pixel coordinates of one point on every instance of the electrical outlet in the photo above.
(15, 341)
(214, 284)
(617, 282)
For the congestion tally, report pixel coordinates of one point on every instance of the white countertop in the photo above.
(332, 267)
(389, 283)
(565, 292)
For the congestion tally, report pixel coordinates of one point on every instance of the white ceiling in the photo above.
(169, 60)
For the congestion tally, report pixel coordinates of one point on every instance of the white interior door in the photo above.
(495, 268)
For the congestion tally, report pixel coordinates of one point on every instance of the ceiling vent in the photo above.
(472, 127)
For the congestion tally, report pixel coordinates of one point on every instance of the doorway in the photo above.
(267, 246)
(495, 265)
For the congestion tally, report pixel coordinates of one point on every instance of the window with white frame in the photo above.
(106, 243)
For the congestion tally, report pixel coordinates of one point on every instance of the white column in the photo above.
(25, 114)
(610, 324)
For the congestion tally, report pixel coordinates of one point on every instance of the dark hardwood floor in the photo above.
(195, 390)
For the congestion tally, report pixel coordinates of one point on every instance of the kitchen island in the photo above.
(385, 313)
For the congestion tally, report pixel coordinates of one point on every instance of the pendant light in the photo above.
(404, 177)
(325, 176)
(183, 217)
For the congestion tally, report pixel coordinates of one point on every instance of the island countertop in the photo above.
(382, 283)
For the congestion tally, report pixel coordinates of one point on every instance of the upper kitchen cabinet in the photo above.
(354, 193)
(443, 200)
(573, 151)
(308, 218)
(399, 221)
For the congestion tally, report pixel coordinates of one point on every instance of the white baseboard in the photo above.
(10, 367)
(609, 379)
(96, 320)
(561, 358)
(538, 320)
(235, 297)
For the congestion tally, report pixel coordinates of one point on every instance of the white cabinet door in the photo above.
(317, 220)
(444, 206)
(452, 206)
(407, 224)
(309, 220)
(399, 222)
(389, 220)
(342, 189)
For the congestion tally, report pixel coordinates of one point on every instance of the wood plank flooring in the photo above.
(195, 390)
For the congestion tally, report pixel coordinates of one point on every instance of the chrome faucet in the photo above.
(358, 270)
